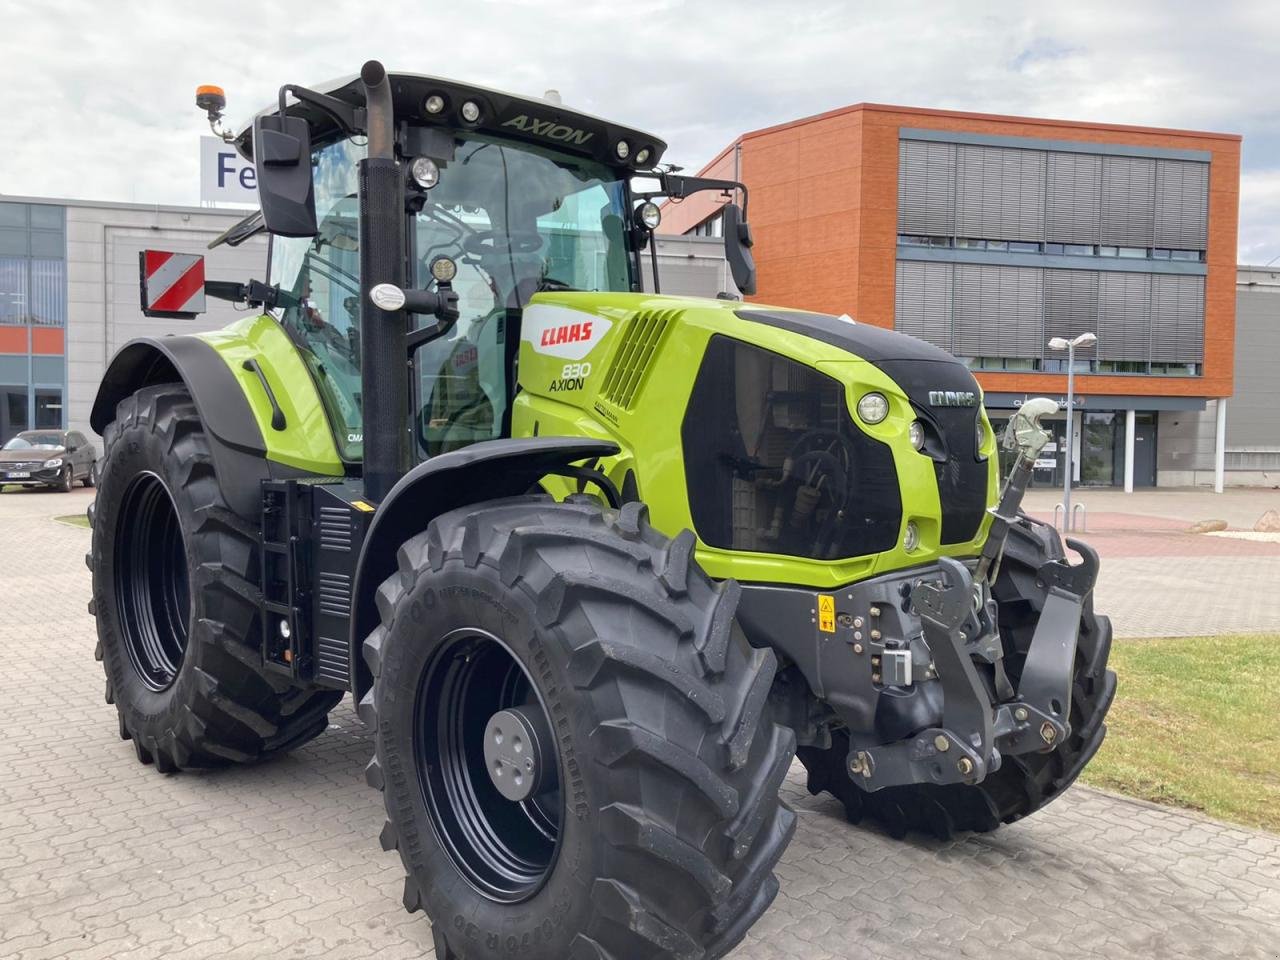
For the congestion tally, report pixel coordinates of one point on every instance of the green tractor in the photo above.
(594, 563)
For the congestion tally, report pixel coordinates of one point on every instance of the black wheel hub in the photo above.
(488, 766)
(152, 590)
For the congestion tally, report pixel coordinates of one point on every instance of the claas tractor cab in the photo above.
(594, 562)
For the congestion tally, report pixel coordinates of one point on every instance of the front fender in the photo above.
(475, 474)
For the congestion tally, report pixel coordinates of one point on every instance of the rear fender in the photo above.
(475, 474)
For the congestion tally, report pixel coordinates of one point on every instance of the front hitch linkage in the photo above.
(974, 732)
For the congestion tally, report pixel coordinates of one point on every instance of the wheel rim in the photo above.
(152, 587)
(504, 849)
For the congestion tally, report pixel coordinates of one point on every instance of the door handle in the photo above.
(278, 421)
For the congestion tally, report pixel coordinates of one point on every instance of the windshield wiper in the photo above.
(551, 283)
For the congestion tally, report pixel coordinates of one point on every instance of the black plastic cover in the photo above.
(775, 463)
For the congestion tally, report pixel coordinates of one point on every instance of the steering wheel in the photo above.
(484, 242)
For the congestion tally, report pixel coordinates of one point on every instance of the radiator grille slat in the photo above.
(630, 365)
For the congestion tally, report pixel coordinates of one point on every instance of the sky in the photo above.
(99, 96)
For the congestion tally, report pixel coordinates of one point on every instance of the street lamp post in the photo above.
(1061, 343)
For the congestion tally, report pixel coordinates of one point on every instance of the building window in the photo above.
(1122, 366)
(1003, 316)
(713, 226)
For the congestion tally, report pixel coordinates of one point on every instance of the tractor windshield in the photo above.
(514, 218)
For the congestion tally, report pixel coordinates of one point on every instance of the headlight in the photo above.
(911, 539)
(982, 433)
(55, 462)
(915, 433)
(873, 407)
(425, 173)
(649, 215)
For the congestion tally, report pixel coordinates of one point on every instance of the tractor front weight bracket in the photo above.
(961, 750)
(975, 732)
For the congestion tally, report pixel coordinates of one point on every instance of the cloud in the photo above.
(100, 94)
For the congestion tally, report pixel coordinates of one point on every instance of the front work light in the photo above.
(623, 149)
(433, 104)
(424, 171)
(443, 270)
(471, 111)
(873, 407)
(649, 215)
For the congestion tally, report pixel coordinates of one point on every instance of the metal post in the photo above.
(1067, 524)
(1130, 427)
(1220, 446)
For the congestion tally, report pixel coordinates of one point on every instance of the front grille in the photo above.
(962, 476)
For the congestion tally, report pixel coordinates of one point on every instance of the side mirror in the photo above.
(737, 249)
(282, 158)
(172, 284)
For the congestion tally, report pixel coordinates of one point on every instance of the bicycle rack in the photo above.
(1076, 508)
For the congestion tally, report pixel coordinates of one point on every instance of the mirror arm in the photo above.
(255, 293)
(677, 187)
(350, 118)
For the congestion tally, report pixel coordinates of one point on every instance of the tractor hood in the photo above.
(875, 344)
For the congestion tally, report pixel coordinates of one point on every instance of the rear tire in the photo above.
(666, 824)
(175, 594)
(1025, 782)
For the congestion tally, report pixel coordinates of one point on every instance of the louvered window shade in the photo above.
(1177, 319)
(1073, 200)
(926, 188)
(922, 301)
(1182, 204)
(1128, 200)
(1070, 304)
(1124, 325)
(1000, 193)
(998, 311)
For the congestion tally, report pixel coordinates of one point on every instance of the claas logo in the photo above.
(568, 333)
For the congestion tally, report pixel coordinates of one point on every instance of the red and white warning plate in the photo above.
(172, 282)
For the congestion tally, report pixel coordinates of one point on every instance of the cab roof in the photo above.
(529, 119)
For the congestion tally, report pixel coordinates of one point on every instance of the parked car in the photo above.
(48, 458)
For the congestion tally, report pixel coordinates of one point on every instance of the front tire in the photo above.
(64, 480)
(176, 599)
(1025, 782)
(658, 835)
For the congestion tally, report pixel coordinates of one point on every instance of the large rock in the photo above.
(1207, 526)
(1269, 522)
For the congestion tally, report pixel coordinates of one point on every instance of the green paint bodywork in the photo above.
(649, 432)
(307, 440)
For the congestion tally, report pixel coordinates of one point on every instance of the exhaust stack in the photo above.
(384, 352)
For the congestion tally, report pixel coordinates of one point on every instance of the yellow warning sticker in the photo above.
(362, 506)
(826, 613)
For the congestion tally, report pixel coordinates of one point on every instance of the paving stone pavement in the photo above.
(103, 858)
